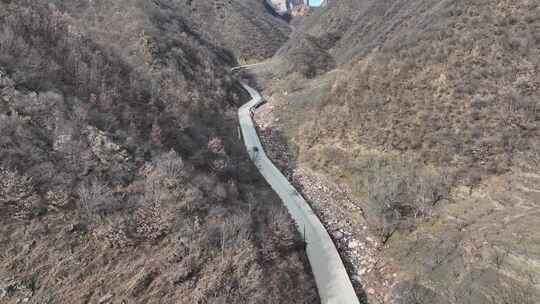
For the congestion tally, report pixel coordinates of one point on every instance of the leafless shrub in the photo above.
(96, 199)
(215, 145)
(164, 180)
(17, 194)
(230, 235)
(114, 232)
(152, 221)
(499, 257)
(57, 199)
(164, 189)
(156, 134)
(170, 165)
(413, 292)
(399, 188)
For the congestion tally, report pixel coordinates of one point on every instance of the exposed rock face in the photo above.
(298, 7)
(292, 7)
(280, 6)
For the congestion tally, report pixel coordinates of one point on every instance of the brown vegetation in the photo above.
(431, 116)
(466, 101)
(121, 175)
(246, 27)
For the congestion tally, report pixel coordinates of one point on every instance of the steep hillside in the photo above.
(247, 28)
(122, 179)
(429, 112)
(443, 79)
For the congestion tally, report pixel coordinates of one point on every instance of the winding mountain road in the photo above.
(330, 275)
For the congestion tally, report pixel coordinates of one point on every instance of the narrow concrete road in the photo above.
(247, 66)
(331, 277)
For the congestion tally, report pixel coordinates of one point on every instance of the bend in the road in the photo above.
(330, 275)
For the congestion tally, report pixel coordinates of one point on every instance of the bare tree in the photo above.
(96, 199)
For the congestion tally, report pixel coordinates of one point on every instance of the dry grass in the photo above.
(468, 104)
(428, 97)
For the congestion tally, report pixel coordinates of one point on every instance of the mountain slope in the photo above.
(429, 113)
(121, 174)
(246, 28)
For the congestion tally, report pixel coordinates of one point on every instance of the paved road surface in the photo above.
(247, 66)
(330, 275)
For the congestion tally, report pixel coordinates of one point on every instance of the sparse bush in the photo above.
(96, 199)
(165, 181)
(57, 199)
(170, 166)
(17, 194)
(152, 221)
(400, 189)
(114, 233)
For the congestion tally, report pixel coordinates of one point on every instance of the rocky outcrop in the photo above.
(290, 7)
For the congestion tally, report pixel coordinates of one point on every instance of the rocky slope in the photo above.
(428, 112)
(122, 178)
